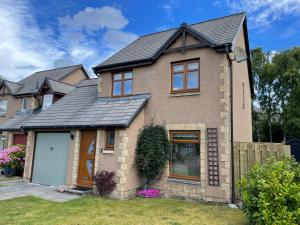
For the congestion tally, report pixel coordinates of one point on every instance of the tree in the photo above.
(152, 152)
(263, 73)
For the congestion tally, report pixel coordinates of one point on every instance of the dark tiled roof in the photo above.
(13, 87)
(32, 83)
(218, 31)
(88, 82)
(83, 108)
(60, 87)
(17, 121)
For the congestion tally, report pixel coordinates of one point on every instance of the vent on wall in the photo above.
(213, 156)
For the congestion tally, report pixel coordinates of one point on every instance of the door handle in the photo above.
(51, 148)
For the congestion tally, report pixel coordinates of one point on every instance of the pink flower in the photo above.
(149, 193)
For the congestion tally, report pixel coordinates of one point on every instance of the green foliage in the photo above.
(152, 151)
(277, 88)
(271, 193)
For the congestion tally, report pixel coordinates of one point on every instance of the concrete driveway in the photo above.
(14, 188)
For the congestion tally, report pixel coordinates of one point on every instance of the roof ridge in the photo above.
(58, 68)
(205, 21)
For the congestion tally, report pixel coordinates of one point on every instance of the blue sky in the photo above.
(38, 35)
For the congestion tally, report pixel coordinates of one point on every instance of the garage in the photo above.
(20, 139)
(51, 158)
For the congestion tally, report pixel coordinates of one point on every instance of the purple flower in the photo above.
(149, 193)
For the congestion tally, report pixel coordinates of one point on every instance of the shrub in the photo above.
(13, 157)
(271, 193)
(104, 182)
(152, 152)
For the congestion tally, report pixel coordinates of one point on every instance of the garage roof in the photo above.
(17, 121)
(83, 108)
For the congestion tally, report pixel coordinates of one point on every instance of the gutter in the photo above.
(227, 51)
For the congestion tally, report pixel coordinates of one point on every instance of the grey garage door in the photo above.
(51, 158)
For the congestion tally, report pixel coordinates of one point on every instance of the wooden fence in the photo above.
(246, 155)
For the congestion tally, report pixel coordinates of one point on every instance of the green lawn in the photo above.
(94, 210)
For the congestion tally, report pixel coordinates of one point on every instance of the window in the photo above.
(24, 104)
(3, 106)
(185, 76)
(47, 101)
(122, 84)
(185, 155)
(110, 139)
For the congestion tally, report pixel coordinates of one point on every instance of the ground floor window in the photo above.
(110, 138)
(185, 154)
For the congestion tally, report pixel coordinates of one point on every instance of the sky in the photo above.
(44, 34)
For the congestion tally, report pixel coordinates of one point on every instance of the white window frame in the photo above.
(24, 104)
(45, 106)
(2, 101)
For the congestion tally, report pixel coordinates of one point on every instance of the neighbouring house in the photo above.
(186, 78)
(20, 101)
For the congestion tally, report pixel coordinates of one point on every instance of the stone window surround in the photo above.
(191, 127)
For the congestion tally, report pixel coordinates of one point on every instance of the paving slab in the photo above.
(18, 188)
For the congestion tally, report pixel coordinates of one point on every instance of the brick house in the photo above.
(186, 78)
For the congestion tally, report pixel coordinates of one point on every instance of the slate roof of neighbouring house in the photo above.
(17, 121)
(59, 87)
(32, 83)
(217, 31)
(82, 108)
(92, 81)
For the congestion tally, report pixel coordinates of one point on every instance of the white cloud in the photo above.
(23, 47)
(116, 39)
(169, 7)
(96, 18)
(87, 37)
(263, 13)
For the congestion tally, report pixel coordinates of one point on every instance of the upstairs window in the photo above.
(47, 101)
(185, 76)
(3, 106)
(122, 84)
(110, 139)
(24, 104)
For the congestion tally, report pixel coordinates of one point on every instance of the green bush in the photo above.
(271, 193)
(152, 151)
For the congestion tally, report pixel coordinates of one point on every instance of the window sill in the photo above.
(2, 115)
(108, 151)
(184, 94)
(183, 181)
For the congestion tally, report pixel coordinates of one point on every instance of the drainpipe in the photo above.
(227, 50)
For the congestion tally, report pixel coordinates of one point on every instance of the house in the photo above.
(186, 78)
(20, 101)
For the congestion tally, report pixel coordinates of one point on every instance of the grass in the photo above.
(94, 210)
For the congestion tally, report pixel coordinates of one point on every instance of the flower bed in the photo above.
(149, 193)
(12, 160)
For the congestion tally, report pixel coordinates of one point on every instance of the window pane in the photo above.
(193, 79)
(185, 136)
(118, 76)
(47, 101)
(110, 138)
(128, 75)
(185, 160)
(127, 87)
(178, 68)
(193, 66)
(24, 104)
(3, 106)
(117, 88)
(178, 81)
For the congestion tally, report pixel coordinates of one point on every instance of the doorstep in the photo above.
(79, 190)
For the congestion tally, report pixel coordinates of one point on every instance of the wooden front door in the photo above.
(20, 139)
(87, 158)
